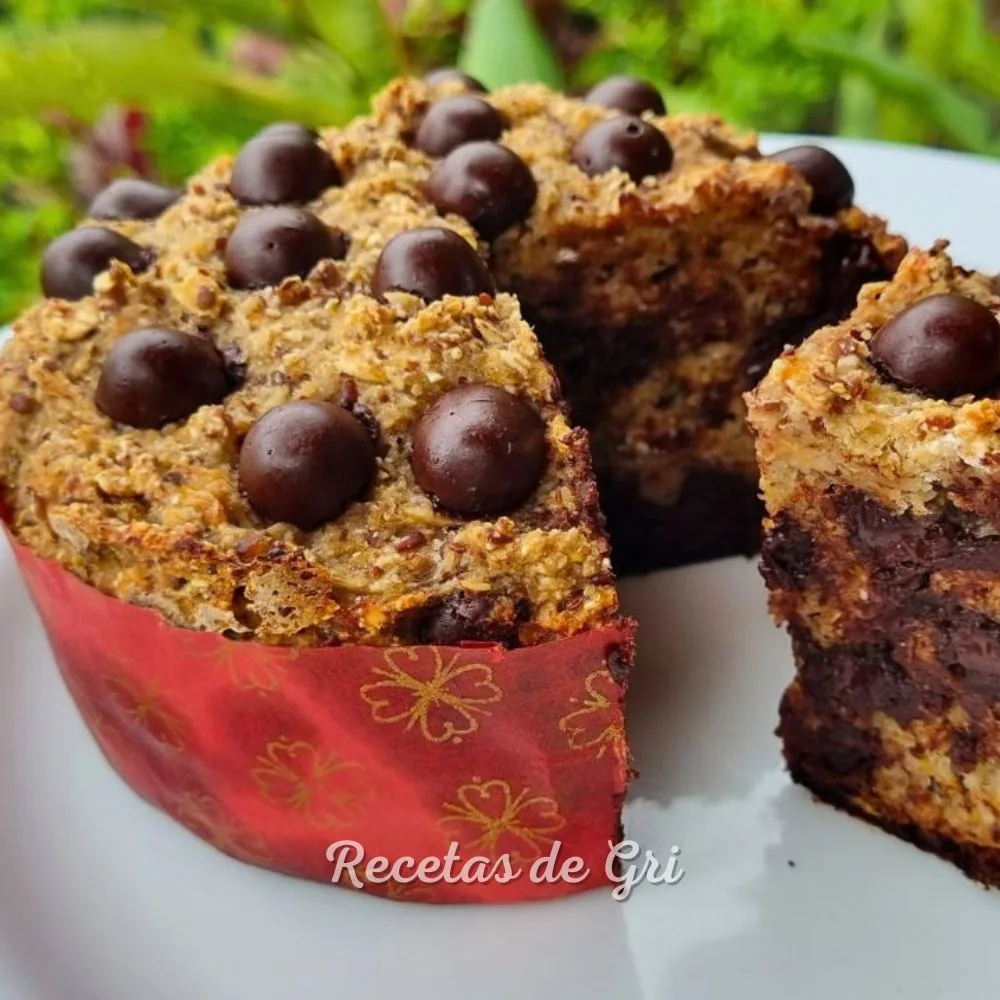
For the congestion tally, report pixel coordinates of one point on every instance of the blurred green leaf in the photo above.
(357, 31)
(857, 108)
(503, 44)
(270, 17)
(81, 69)
(965, 120)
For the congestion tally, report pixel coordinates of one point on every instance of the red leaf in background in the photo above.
(992, 15)
(395, 11)
(110, 148)
(260, 54)
(572, 33)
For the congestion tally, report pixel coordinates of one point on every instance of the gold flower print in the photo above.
(249, 667)
(444, 699)
(597, 725)
(110, 739)
(141, 705)
(320, 784)
(487, 817)
(411, 892)
(204, 816)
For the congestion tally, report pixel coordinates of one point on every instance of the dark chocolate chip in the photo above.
(944, 346)
(456, 120)
(430, 263)
(133, 198)
(789, 556)
(479, 450)
(448, 74)
(281, 166)
(273, 243)
(628, 94)
(485, 183)
(153, 377)
(411, 541)
(71, 262)
(625, 142)
(22, 404)
(618, 665)
(464, 617)
(832, 185)
(458, 618)
(236, 364)
(304, 461)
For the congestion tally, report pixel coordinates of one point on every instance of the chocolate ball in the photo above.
(625, 142)
(456, 120)
(479, 450)
(832, 185)
(467, 617)
(272, 243)
(154, 376)
(294, 129)
(72, 261)
(944, 346)
(626, 93)
(485, 183)
(282, 165)
(430, 263)
(132, 198)
(449, 74)
(304, 461)
(460, 617)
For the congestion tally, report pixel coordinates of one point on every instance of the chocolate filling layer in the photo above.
(717, 513)
(919, 654)
(836, 760)
(920, 650)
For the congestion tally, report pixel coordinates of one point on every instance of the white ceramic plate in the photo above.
(102, 898)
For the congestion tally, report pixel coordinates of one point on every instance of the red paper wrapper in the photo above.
(272, 754)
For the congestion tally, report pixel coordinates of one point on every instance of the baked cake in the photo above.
(661, 260)
(879, 445)
(343, 392)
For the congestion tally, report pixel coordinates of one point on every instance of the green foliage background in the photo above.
(924, 71)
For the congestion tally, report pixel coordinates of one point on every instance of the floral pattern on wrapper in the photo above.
(271, 755)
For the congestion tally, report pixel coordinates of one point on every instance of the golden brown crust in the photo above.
(157, 517)
(824, 412)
